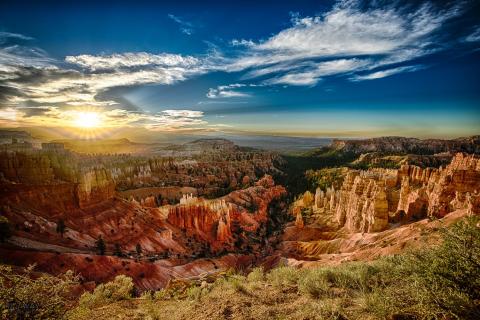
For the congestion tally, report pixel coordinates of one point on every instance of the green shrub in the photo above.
(314, 283)
(256, 275)
(161, 295)
(284, 276)
(438, 283)
(237, 283)
(195, 293)
(25, 296)
(121, 288)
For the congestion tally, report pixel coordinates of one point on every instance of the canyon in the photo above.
(203, 207)
(159, 217)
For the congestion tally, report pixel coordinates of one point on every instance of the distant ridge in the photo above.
(407, 145)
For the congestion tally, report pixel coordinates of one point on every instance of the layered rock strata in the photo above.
(369, 200)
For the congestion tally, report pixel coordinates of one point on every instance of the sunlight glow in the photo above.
(87, 120)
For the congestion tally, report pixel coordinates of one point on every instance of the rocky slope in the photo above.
(369, 200)
(173, 235)
(132, 203)
(378, 201)
(170, 237)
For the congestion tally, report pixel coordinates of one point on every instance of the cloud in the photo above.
(132, 60)
(5, 36)
(474, 36)
(41, 81)
(242, 43)
(37, 89)
(185, 26)
(385, 73)
(229, 91)
(315, 72)
(183, 113)
(351, 31)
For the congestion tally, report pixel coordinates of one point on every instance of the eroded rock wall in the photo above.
(369, 200)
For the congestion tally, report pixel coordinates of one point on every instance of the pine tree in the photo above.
(118, 251)
(5, 229)
(61, 227)
(100, 246)
(138, 248)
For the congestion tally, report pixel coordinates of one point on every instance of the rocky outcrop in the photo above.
(369, 200)
(25, 167)
(223, 221)
(362, 205)
(94, 186)
(210, 221)
(314, 247)
(456, 186)
(218, 168)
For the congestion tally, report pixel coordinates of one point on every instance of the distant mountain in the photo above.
(6, 137)
(402, 145)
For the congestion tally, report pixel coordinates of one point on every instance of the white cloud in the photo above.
(132, 59)
(474, 36)
(386, 73)
(314, 73)
(20, 56)
(183, 113)
(185, 26)
(10, 35)
(229, 91)
(37, 79)
(384, 36)
(102, 72)
(242, 43)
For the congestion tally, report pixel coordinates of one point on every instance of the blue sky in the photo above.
(318, 68)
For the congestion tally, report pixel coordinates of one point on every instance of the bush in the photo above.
(237, 285)
(24, 296)
(195, 293)
(314, 283)
(121, 288)
(439, 283)
(256, 275)
(284, 276)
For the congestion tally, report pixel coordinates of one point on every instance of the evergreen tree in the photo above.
(100, 246)
(61, 227)
(138, 248)
(5, 229)
(117, 251)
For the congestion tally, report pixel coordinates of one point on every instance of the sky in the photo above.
(296, 68)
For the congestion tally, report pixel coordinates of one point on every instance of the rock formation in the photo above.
(212, 221)
(369, 200)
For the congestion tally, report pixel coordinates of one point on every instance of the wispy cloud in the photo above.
(351, 31)
(386, 73)
(132, 60)
(474, 36)
(311, 75)
(4, 36)
(186, 27)
(230, 91)
(35, 87)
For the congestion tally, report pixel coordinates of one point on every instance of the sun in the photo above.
(87, 119)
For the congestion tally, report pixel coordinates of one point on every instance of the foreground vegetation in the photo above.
(439, 283)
